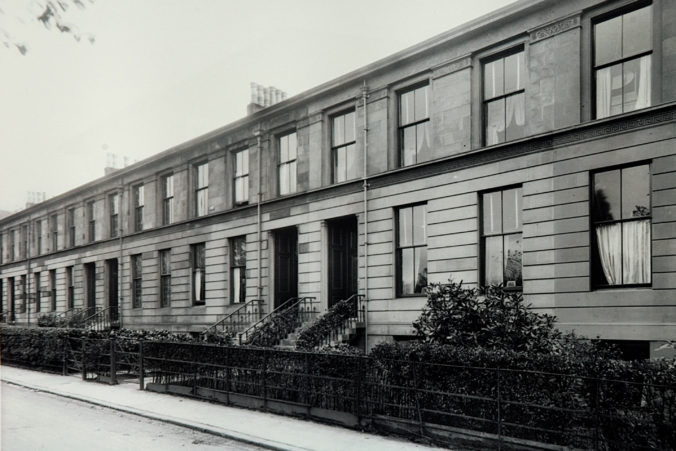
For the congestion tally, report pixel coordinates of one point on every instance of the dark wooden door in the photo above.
(343, 259)
(112, 287)
(286, 265)
(90, 275)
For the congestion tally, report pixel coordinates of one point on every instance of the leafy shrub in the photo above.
(278, 327)
(313, 335)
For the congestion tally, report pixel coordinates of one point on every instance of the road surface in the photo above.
(32, 420)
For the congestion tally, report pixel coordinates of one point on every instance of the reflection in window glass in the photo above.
(411, 249)
(621, 227)
(501, 238)
(504, 98)
(414, 140)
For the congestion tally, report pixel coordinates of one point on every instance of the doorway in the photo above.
(286, 265)
(112, 283)
(343, 259)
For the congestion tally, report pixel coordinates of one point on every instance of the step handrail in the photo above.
(238, 312)
(290, 303)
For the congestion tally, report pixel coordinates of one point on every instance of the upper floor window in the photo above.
(165, 277)
(91, 219)
(54, 231)
(38, 237)
(242, 177)
(114, 204)
(238, 269)
(288, 150)
(168, 199)
(622, 62)
(12, 244)
(139, 204)
(414, 133)
(201, 189)
(38, 292)
(24, 239)
(2, 249)
(411, 249)
(70, 218)
(344, 147)
(136, 280)
(198, 273)
(501, 235)
(504, 98)
(621, 219)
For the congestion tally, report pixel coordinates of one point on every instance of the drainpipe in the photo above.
(121, 263)
(29, 276)
(259, 195)
(364, 96)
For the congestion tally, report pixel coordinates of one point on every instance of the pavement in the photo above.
(248, 426)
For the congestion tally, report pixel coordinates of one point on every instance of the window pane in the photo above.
(515, 116)
(339, 171)
(493, 260)
(606, 203)
(637, 33)
(409, 143)
(493, 79)
(608, 41)
(352, 168)
(202, 199)
(245, 188)
(338, 130)
(636, 88)
(203, 175)
(495, 122)
(636, 252)
(609, 249)
(420, 269)
(421, 111)
(245, 161)
(513, 260)
(422, 142)
(293, 148)
(239, 251)
(284, 179)
(284, 148)
(492, 213)
(635, 192)
(406, 108)
(406, 227)
(407, 271)
(350, 127)
(514, 72)
(419, 224)
(236, 284)
(292, 177)
(511, 210)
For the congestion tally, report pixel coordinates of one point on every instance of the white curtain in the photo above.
(603, 92)
(644, 84)
(608, 238)
(197, 284)
(636, 251)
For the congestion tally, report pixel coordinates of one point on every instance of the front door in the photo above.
(286, 265)
(111, 266)
(90, 275)
(343, 259)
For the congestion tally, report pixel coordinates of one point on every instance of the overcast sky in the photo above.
(161, 72)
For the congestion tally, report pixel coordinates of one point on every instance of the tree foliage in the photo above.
(52, 14)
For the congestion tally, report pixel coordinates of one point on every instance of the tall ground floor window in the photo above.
(238, 269)
(198, 273)
(501, 237)
(621, 223)
(411, 249)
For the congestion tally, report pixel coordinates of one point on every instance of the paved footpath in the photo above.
(249, 426)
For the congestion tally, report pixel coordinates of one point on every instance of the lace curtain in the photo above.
(624, 250)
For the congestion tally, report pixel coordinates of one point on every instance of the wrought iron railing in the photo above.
(279, 323)
(102, 318)
(5, 316)
(348, 319)
(244, 316)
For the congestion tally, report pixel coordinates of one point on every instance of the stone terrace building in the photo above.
(535, 147)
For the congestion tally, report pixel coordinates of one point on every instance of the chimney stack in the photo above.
(263, 97)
